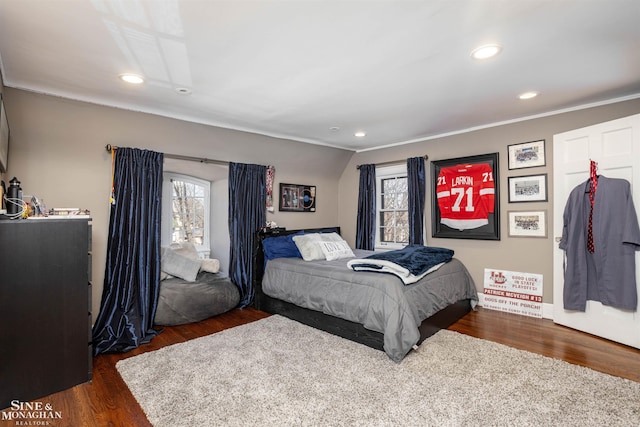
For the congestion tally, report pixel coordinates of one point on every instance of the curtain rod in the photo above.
(392, 162)
(181, 157)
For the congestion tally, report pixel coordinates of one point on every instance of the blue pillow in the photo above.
(281, 247)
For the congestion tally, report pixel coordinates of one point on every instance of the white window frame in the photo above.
(382, 173)
(167, 189)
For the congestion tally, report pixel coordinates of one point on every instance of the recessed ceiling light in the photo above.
(486, 51)
(528, 95)
(334, 128)
(360, 134)
(183, 90)
(132, 78)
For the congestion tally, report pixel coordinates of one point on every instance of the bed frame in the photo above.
(334, 325)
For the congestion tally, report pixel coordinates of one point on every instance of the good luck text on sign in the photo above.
(513, 292)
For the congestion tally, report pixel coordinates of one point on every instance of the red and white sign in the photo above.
(513, 292)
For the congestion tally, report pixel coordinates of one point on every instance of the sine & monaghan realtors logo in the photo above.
(30, 414)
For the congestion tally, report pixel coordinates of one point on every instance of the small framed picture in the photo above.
(526, 155)
(530, 188)
(527, 223)
(297, 198)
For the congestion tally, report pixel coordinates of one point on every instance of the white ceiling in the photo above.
(399, 70)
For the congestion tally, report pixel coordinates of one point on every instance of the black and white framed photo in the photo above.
(526, 155)
(465, 200)
(297, 198)
(529, 188)
(527, 223)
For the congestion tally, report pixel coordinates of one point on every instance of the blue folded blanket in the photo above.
(410, 264)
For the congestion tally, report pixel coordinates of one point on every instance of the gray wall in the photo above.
(57, 151)
(530, 255)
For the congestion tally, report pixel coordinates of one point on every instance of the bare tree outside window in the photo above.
(188, 212)
(394, 210)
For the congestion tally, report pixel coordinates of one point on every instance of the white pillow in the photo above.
(181, 258)
(179, 265)
(187, 249)
(210, 265)
(309, 244)
(336, 250)
(331, 237)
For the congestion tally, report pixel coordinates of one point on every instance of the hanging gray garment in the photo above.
(609, 274)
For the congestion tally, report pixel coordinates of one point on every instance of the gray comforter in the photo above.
(378, 301)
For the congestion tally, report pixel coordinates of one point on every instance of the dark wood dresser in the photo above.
(45, 307)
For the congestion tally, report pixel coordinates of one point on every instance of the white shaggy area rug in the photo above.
(277, 372)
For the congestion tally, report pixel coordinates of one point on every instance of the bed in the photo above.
(374, 309)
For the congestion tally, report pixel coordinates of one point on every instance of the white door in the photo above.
(615, 146)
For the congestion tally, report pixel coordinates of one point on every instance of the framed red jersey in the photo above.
(466, 198)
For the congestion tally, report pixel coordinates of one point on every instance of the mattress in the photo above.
(378, 301)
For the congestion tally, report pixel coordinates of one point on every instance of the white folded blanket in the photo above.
(384, 266)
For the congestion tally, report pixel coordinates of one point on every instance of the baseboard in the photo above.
(547, 309)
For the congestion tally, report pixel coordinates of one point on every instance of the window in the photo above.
(185, 211)
(392, 207)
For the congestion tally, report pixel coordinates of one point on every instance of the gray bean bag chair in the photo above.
(183, 301)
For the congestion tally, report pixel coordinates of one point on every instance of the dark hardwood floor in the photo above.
(106, 400)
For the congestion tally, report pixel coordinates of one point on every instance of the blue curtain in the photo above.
(366, 220)
(247, 214)
(132, 273)
(416, 193)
